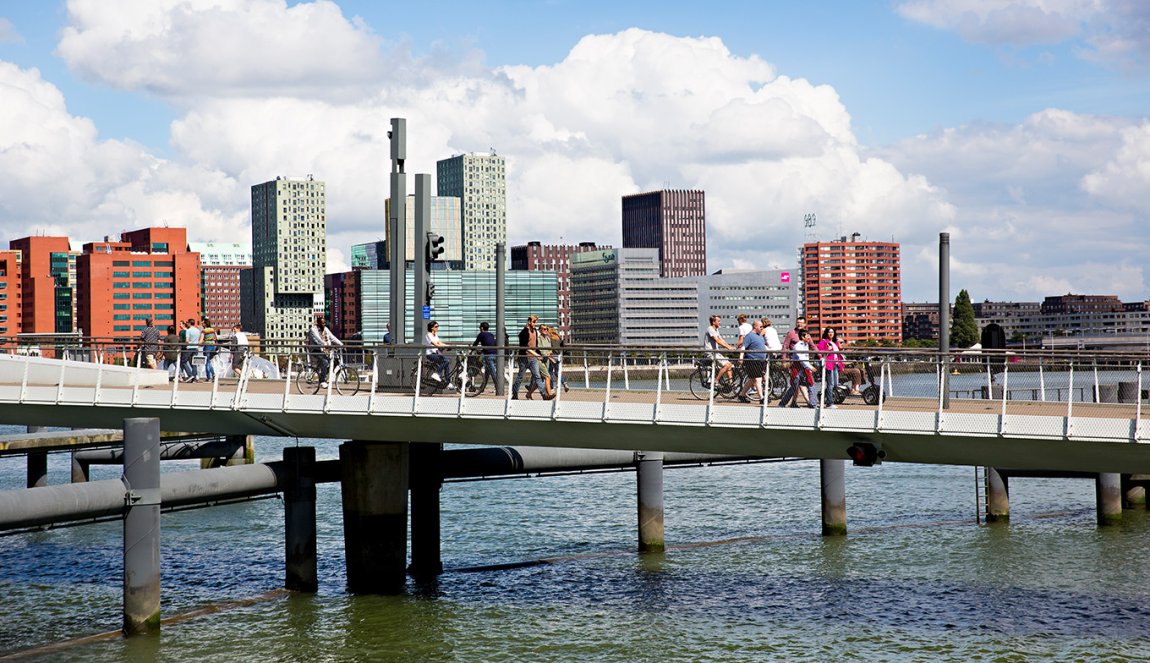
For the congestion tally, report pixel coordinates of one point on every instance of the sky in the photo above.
(1019, 127)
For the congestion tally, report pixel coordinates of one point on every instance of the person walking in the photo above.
(832, 365)
(208, 336)
(802, 373)
(486, 340)
(149, 344)
(754, 362)
(191, 349)
(528, 359)
(171, 352)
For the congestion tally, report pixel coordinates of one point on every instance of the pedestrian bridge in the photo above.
(1052, 411)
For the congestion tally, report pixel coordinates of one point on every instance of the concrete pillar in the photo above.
(997, 497)
(37, 463)
(1133, 494)
(1108, 491)
(649, 475)
(299, 520)
(374, 486)
(142, 526)
(834, 496)
(426, 481)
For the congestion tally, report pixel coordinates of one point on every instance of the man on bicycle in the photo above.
(486, 340)
(321, 342)
(713, 342)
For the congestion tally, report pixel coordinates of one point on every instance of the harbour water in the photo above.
(746, 576)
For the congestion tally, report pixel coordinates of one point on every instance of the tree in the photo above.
(963, 328)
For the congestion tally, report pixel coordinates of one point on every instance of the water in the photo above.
(747, 576)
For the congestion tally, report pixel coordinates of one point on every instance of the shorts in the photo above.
(721, 360)
(755, 368)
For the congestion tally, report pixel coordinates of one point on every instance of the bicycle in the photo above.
(700, 381)
(344, 378)
(476, 375)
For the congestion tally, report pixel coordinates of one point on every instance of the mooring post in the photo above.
(142, 526)
(1108, 491)
(834, 496)
(997, 497)
(300, 572)
(374, 486)
(649, 477)
(37, 463)
(426, 480)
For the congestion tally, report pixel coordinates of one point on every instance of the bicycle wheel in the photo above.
(427, 386)
(778, 383)
(476, 380)
(307, 381)
(733, 385)
(700, 384)
(346, 381)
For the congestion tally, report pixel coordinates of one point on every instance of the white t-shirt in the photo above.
(431, 339)
(241, 338)
(712, 335)
(772, 336)
(744, 329)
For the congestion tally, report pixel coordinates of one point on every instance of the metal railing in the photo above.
(1056, 395)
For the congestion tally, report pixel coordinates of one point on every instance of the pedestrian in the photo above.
(171, 352)
(802, 373)
(486, 340)
(191, 349)
(832, 365)
(794, 334)
(528, 359)
(754, 362)
(771, 336)
(744, 329)
(149, 344)
(208, 337)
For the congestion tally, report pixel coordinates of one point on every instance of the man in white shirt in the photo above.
(714, 341)
(321, 342)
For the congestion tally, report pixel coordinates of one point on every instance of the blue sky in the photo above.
(1020, 126)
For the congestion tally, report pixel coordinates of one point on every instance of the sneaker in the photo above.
(744, 399)
(435, 376)
(452, 387)
(323, 385)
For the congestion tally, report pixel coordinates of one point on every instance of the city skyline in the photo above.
(1017, 126)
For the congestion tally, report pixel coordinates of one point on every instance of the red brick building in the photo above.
(853, 286)
(149, 273)
(536, 256)
(45, 290)
(10, 300)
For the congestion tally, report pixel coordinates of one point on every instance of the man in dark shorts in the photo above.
(754, 361)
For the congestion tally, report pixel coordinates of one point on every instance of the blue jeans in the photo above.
(489, 364)
(829, 384)
(186, 362)
(209, 371)
(439, 364)
(528, 364)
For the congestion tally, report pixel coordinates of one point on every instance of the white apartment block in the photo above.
(480, 182)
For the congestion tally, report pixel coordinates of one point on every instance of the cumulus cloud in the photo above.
(1049, 202)
(1106, 31)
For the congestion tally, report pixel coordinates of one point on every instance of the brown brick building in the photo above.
(853, 286)
(536, 256)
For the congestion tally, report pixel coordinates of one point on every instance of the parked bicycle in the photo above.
(345, 379)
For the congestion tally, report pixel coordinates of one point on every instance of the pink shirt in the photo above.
(831, 356)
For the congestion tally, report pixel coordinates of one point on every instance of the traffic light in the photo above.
(434, 248)
(430, 292)
(866, 454)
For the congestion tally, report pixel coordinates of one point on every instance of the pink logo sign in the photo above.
(785, 277)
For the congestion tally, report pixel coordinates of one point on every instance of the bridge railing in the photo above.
(1092, 395)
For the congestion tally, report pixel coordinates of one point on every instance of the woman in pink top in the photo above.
(833, 363)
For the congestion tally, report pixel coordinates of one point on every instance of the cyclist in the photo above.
(321, 342)
(713, 342)
(487, 341)
(440, 364)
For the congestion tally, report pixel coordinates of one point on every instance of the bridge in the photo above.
(1052, 411)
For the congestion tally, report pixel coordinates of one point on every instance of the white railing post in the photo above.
(136, 380)
(626, 378)
(1005, 386)
(989, 382)
(60, 384)
(557, 388)
(418, 383)
(1097, 391)
(287, 384)
(330, 379)
(462, 384)
(100, 377)
(507, 389)
(1138, 407)
(765, 393)
(941, 395)
(586, 372)
(176, 379)
(374, 380)
(1068, 428)
(607, 392)
(1041, 381)
(241, 384)
(659, 389)
(24, 379)
(215, 384)
(711, 393)
(881, 395)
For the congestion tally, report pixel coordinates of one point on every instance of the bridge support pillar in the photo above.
(426, 480)
(142, 526)
(834, 496)
(37, 463)
(300, 572)
(997, 497)
(649, 477)
(374, 485)
(1133, 494)
(1108, 491)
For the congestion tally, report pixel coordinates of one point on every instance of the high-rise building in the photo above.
(772, 293)
(289, 257)
(445, 221)
(221, 267)
(672, 221)
(920, 320)
(372, 255)
(359, 303)
(853, 286)
(480, 183)
(47, 285)
(10, 286)
(536, 256)
(149, 273)
(618, 297)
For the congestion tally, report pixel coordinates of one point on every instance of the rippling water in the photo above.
(747, 575)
